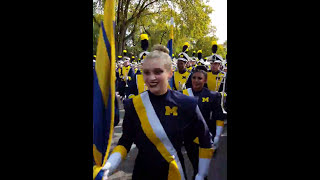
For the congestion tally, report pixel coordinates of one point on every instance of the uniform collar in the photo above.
(216, 72)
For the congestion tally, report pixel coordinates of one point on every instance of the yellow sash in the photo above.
(153, 129)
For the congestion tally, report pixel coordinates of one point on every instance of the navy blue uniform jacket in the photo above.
(187, 125)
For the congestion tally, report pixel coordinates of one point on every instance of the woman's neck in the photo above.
(160, 94)
(182, 71)
(197, 90)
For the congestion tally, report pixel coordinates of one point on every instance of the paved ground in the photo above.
(218, 167)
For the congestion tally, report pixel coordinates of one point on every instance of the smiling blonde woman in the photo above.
(158, 121)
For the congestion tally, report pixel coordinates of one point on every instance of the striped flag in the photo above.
(104, 90)
(170, 42)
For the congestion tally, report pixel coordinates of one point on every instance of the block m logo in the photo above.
(205, 99)
(172, 111)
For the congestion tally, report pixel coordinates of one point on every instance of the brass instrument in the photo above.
(182, 86)
(223, 92)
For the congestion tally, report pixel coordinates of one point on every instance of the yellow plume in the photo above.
(144, 36)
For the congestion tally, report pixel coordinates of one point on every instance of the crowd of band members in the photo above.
(202, 78)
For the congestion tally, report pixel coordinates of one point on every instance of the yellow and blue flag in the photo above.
(104, 90)
(170, 42)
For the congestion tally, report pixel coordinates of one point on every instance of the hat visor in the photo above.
(182, 59)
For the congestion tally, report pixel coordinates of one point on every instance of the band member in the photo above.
(144, 45)
(137, 85)
(125, 54)
(209, 103)
(193, 64)
(119, 66)
(158, 121)
(181, 75)
(126, 74)
(216, 76)
(189, 66)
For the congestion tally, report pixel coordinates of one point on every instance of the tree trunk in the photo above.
(120, 40)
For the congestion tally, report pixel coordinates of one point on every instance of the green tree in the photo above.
(134, 17)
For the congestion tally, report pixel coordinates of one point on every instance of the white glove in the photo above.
(111, 165)
(106, 170)
(199, 177)
(216, 142)
(105, 175)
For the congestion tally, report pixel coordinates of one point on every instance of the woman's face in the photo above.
(156, 76)
(198, 81)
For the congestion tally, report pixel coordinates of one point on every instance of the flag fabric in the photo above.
(170, 42)
(104, 90)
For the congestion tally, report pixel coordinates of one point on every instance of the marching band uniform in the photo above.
(214, 80)
(209, 103)
(118, 79)
(158, 125)
(137, 85)
(126, 74)
(178, 79)
(215, 56)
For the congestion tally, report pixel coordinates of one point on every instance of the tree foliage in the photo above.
(134, 17)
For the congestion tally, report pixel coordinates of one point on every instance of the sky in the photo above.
(219, 18)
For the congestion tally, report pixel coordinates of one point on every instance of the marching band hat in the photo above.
(124, 52)
(216, 61)
(143, 55)
(214, 57)
(185, 47)
(183, 57)
(144, 41)
(144, 36)
(214, 47)
(199, 54)
(126, 59)
(201, 62)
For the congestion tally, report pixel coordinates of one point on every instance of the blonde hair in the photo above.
(160, 52)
